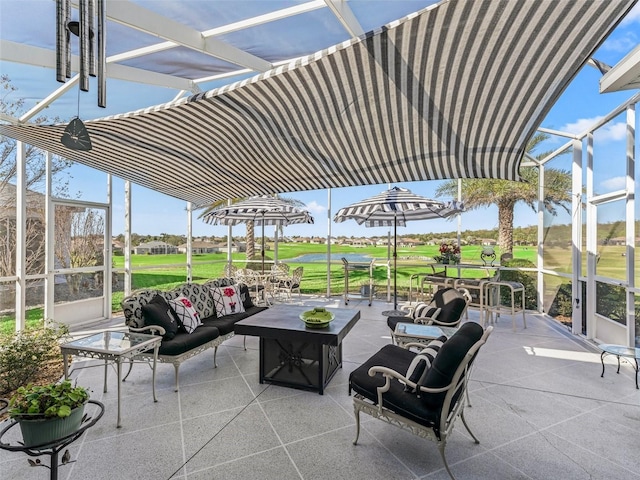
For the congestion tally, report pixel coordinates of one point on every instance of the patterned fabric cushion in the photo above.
(245, 296)
(227, 300)
(424, 310)
(132, 307)
(219, 282)
(158, 312)
(185, 313)
(201, 299)
(421, 363)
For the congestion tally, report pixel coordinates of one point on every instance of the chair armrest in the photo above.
(388, 374)
(435, 321)
(430, 319)
(151, 329)
(410, 345)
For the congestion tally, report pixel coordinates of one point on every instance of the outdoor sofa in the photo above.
(145, 311)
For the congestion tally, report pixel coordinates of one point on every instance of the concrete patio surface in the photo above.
(539, 408)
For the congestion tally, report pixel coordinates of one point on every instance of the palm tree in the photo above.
(506, 194)
(250, 238)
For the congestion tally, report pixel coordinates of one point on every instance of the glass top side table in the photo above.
(114, 347)
(620, 351)
(420, 333)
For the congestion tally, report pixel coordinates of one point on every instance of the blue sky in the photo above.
(579, 107)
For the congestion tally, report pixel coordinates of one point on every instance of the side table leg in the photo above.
(65, 362)
(153, 374)
(106, 363)
(602, 360)
(119, 368)
(636, 373)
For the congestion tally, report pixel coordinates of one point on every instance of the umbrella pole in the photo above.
(263, 244)
(395, 263)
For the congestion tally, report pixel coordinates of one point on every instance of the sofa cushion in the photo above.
(219, 282)
(226, 323)
(201, 299)
(245, 296)
(185, 312)
(227, 300)
(132, 307)
(158, 312)
(183, 342)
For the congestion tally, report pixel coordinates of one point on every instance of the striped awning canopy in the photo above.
(395, 207)
(453, 91)
(262, 210)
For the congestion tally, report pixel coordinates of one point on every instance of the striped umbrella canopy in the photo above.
(262, 210)
(396, 207)
(452, 91)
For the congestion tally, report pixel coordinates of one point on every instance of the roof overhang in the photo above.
(625, 75)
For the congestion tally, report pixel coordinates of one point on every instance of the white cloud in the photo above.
(622, 44)
(613, 184)
(315, 207)
(608, 132)
(632, 16)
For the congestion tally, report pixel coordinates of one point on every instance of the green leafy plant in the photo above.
(47, 401)
(24, 354)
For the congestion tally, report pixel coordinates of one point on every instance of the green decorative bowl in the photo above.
(317, 318)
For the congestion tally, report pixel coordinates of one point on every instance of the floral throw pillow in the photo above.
(227, 300)
(185, 312)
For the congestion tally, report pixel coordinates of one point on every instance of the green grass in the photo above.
(35, 317)
(410, 261)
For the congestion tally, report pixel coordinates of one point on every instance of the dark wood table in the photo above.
(293, 355)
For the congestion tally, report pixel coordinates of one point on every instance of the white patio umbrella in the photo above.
(395, 207)
(262, 210)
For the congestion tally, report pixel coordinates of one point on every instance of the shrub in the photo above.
(23, 354)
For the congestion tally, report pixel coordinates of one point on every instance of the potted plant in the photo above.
(449, 253)
(48, 412)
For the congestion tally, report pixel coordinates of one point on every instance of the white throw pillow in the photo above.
(186, 313)
(227, 300)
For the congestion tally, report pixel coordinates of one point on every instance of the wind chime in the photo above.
(75, 135)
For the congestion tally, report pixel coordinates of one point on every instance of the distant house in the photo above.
(382, 241)
(409, 242)
(199, 247)
(117, 247)
(489, 242)
(154, 247)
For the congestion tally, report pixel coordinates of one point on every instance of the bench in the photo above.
(213, 331)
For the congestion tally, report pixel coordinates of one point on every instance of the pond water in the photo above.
(335, 257)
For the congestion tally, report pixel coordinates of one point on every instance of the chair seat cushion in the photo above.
(396, 399)
(393, 321)
(184, 342)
